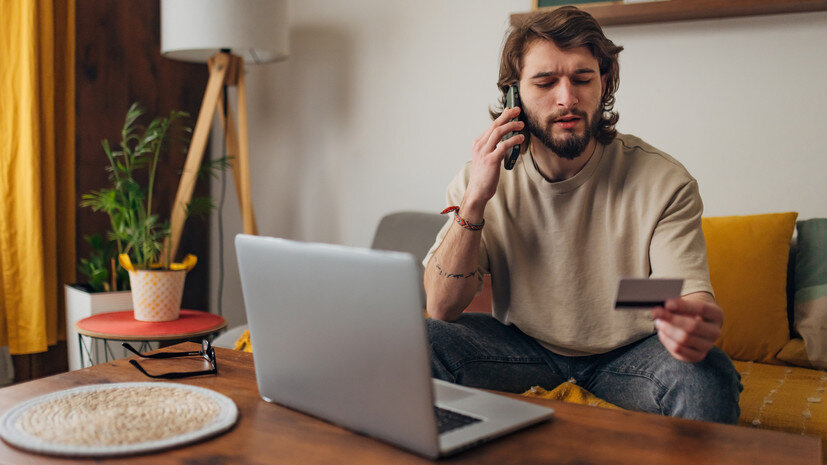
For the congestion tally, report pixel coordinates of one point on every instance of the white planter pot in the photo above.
(81, 304)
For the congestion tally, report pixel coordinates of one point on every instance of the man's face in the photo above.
(561, 93)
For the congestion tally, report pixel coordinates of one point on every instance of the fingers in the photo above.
(496, 137)
(503, 125)
(485, 138)
(705, 310)
(504, 147)
(496, 153)
(699, 339)
(686, 326)
(506, 115)
(681, 352)
(687, 335)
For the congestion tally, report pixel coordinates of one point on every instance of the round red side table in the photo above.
(122, 326)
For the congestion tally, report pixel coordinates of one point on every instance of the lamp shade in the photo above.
(194, 30)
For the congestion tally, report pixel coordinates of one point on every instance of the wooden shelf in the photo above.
(610, 14)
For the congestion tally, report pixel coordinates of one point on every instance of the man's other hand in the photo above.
(689, 326)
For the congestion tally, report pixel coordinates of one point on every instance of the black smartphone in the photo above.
(512, 99)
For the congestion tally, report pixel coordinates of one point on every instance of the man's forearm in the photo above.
(700, 296)
(451, 273)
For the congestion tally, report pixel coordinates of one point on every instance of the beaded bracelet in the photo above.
(462, 221)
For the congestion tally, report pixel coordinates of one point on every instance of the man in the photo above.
(583, 207)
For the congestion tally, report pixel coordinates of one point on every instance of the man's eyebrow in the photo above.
(544, 74)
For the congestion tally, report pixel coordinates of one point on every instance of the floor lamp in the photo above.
(225, 34)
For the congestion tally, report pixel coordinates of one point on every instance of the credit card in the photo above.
(643, 294)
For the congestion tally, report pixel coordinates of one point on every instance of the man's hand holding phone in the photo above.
(486, 159)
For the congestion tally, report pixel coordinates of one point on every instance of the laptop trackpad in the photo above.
(444, 392)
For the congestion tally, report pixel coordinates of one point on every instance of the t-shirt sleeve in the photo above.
(454, 194)
(678, 248)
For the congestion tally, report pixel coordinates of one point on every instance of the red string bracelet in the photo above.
(462, 221)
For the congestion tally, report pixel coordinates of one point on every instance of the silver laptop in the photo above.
(339, 333)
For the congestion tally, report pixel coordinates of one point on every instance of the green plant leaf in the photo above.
(200, 207)
(134, 228)
(213, 167)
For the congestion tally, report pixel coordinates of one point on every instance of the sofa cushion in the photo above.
(748, 269)
(783, 398)
(811, 289)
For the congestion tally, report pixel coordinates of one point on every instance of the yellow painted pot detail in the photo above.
(156, 294)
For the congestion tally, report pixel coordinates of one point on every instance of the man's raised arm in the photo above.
(450, 275)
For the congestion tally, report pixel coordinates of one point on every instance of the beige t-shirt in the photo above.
(555, 251)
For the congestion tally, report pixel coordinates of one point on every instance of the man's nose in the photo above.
(567, 97)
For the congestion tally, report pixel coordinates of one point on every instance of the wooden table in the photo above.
(271, 434)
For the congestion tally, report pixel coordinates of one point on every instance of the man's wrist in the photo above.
(472, 210)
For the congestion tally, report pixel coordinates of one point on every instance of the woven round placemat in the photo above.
(117, 419)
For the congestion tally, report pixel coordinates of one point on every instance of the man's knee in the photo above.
(439, 331)
(450, 343)
(438, 335)
(468, 333)
(708, 390)
(479, 351)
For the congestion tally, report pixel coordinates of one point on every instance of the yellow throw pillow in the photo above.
(748, 270)
(795, 353)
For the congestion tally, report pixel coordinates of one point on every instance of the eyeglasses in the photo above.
(206, 351)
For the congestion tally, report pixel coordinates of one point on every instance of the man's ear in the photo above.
(603, 79)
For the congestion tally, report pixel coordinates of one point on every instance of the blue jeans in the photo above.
(479, 351)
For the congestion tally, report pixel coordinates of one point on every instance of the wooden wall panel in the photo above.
(33, 366)
(119, 62)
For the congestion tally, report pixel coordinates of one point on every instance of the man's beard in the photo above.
(571, 145)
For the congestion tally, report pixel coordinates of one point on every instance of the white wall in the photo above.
(740, 102)
(379, 103)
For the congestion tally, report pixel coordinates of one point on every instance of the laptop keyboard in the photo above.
(448, 420)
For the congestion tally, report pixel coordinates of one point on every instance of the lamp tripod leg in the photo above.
(237, 146)
(232, 144)
(218, 70)
(243, 178)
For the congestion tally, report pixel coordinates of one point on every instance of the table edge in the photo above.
(149, 337)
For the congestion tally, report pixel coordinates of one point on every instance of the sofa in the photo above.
(771, 286)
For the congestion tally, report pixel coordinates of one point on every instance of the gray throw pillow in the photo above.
(811, 289)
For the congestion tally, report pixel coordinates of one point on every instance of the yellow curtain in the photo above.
(37, 196)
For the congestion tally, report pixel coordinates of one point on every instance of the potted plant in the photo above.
(137, 232)
(105, 289)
